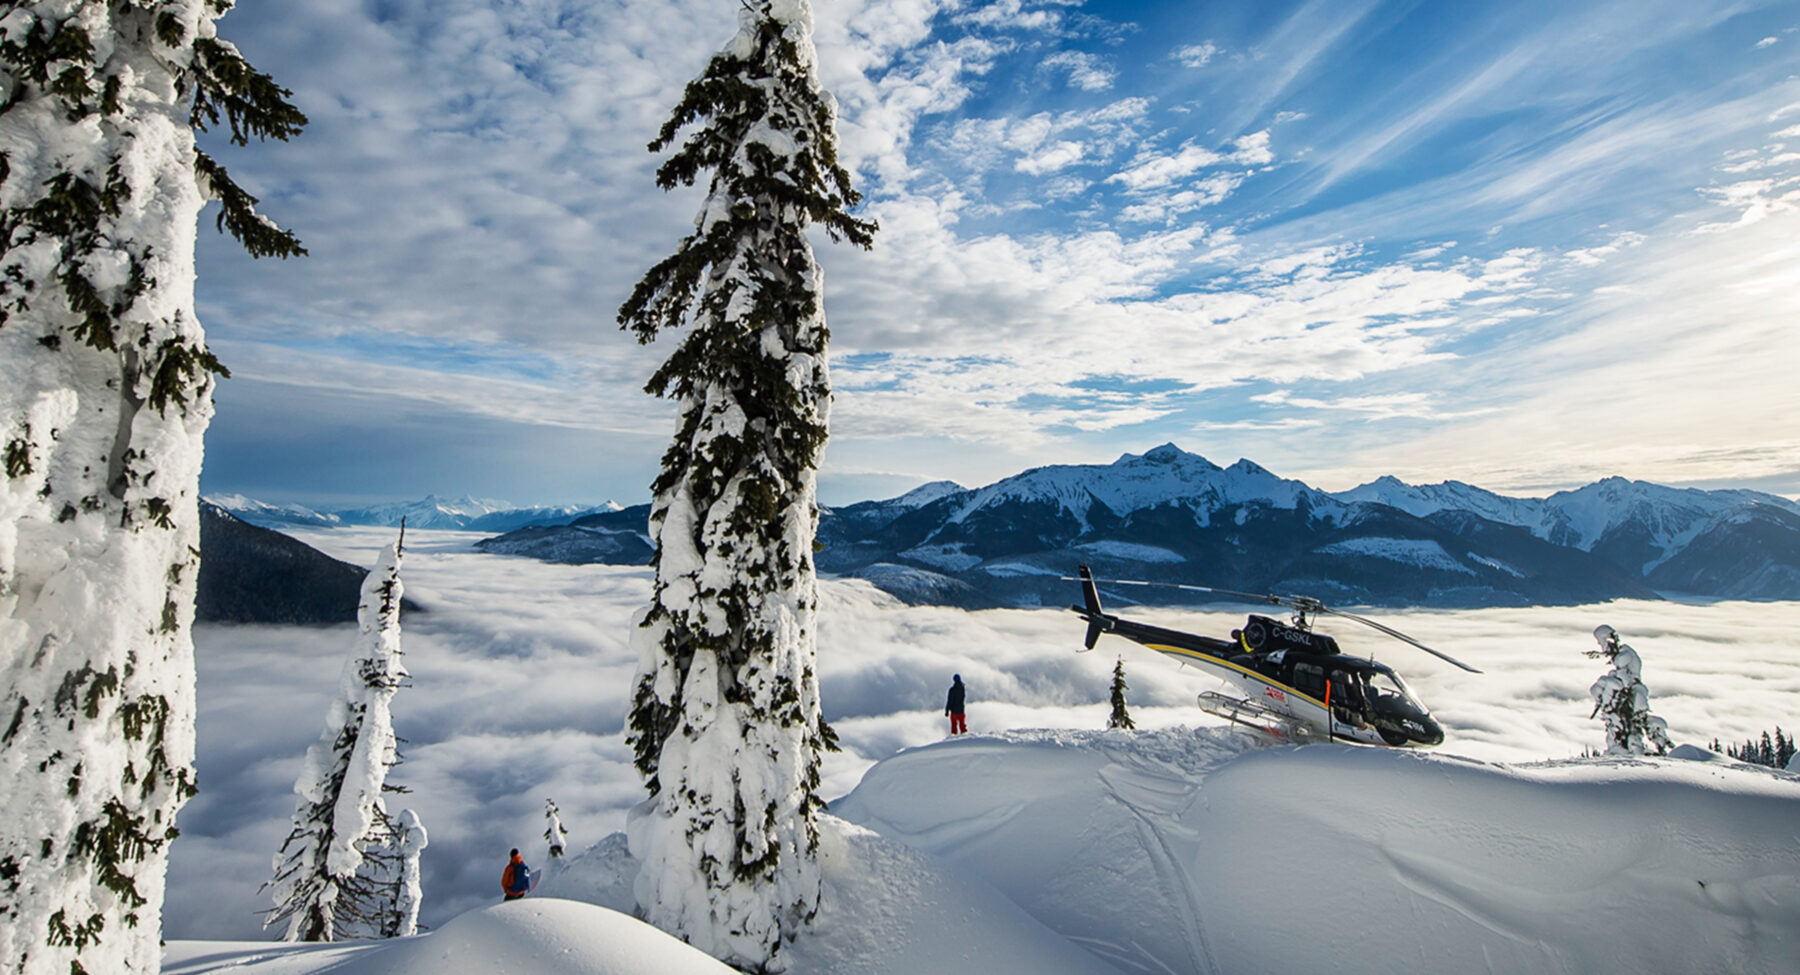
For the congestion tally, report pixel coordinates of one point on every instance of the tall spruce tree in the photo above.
(725, 721)
(1622, 700)
(105, 392)
(1120, 717)
(321, 886)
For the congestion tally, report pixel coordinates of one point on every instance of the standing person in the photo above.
(516, 881)
(953, 706)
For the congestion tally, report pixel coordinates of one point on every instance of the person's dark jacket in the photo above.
(954, 704)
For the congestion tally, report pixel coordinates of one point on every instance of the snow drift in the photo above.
(1181, 850)
(542, 936)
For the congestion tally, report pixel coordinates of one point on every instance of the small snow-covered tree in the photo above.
(341, 818)
(555, 834)
(725, 721)
(1622, 700)
(410, 840)
(105, 392)
(1120, 718)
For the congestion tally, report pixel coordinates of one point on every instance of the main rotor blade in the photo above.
(1251, 596)
(1396, 634)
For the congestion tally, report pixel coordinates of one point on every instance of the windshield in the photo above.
(1384, 684)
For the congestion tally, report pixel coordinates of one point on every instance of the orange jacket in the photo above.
(506, 879)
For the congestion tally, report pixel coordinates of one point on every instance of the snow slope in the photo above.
(1181, 851)
(264, 514)
(1424, 499)
(538, 936)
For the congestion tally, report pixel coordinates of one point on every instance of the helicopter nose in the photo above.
(1434, 733)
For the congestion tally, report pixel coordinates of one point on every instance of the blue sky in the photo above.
(1525, 245)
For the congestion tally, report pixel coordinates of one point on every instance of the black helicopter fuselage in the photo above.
(1290, 670)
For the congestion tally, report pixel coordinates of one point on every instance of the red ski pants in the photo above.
(959, 724)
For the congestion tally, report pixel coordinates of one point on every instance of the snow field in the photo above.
(1193, 850)
(1183, 851)
(535, 936)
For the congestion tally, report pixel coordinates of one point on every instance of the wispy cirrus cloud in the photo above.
(1082, 70)
(1155, 170)
(1196, 55)
(1043, 142)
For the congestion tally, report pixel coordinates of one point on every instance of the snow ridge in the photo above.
(1166, 474)
(1667, 518)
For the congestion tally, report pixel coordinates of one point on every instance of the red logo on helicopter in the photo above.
(1274, 693)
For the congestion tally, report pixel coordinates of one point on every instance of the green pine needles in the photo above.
(1120, 716)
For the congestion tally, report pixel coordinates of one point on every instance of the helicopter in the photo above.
(1296, 684)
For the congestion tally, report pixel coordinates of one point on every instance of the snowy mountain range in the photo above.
(1171, 516)
(1631, 523)
(431, 512)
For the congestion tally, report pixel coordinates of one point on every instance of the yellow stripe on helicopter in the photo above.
(1220, 662)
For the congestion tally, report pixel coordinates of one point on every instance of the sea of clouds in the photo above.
(521, 674)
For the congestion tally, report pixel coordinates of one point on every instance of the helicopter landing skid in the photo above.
(1256, 717)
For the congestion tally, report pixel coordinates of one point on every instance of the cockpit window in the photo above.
(1385, 683)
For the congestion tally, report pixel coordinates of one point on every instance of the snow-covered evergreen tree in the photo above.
(1622, 700)
(341, 816)
(725, 721)
(1120, 718)
(555, 834)
(105, 392)
(410, 842)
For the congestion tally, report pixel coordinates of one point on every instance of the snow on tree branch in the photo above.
(1622, 700)
(555, 834)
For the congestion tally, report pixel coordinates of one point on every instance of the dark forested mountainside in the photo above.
(255, 575)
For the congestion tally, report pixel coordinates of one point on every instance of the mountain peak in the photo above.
(1247, 466)
(926, 493)
(1166, 454)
